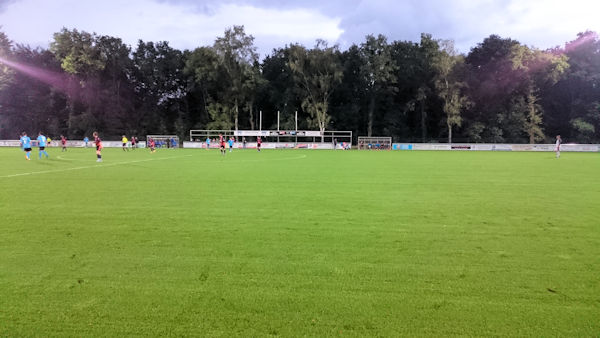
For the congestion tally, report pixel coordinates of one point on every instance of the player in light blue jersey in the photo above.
(25, 142)
(42, 144)
(230, 142)
(208, 143)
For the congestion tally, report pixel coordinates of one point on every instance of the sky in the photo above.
(187, 24)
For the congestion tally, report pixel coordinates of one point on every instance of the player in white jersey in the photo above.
(557, 148)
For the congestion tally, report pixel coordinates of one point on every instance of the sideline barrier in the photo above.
(329, 146)
(265, 145)
(496, 147)
(70, 144)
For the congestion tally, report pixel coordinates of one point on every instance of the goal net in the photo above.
(374, 143)
(164, 141)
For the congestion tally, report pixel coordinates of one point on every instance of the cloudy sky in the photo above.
(274, 23)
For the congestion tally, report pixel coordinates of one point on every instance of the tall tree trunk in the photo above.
(534, 120)
(449, 132)
(236, 114)
(322, 129)
(119, 96)
(423, 119)
(371, 110)
(321, 116)
(531, 121)
(251, 115)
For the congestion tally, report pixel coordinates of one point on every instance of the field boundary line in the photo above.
(276, 159)
(90, 166)
(59, 157)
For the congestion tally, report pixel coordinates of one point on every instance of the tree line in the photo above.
(426, 91)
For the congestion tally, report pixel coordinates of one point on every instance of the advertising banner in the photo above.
(265, 145)
(430, 146)
(580, 147)
(401, 146)
(460, 147)
(501, 147)
(194, 145)
(482, 147)
(9, 143)
(522, 147)
(262, 133)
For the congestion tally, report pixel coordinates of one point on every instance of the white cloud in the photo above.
(274, 23)
(548, 23)
(539, 23)
(34, 21)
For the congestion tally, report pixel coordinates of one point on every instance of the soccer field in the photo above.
(299, 243)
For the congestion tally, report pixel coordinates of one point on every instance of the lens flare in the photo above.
(584, 38)
(54, 79)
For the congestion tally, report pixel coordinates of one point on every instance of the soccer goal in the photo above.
(374, 143)
(164, 141)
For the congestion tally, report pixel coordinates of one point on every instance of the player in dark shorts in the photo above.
(41, 139)
(125, 141)
(63, 141)
(231, 141)
(222, 143)
(25, 142)
(258, 143)
(133, 143)
(98, 143)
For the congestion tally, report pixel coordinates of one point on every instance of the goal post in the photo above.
(374, 143)
(164, 141)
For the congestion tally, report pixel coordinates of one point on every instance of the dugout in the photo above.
(374, 143)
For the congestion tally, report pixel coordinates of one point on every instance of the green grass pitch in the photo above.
(299, 243)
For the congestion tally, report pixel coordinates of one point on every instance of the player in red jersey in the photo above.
(98, 143)
(63, 141)
(258, 143)
(152, 145)
(222, 143)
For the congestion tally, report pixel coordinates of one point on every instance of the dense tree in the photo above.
(30, 104)
(159, 84)
(279, 91)
(317, 72)
(378, 72)
(6, 77)
(80, 58)
(416, 83)
(537, 69)
(5, 51)
(501, 91)
(572, 105)
(238, 57)
(349, 101)
(117, 91)
(202, 77)
(449, 84)
(493, 82)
